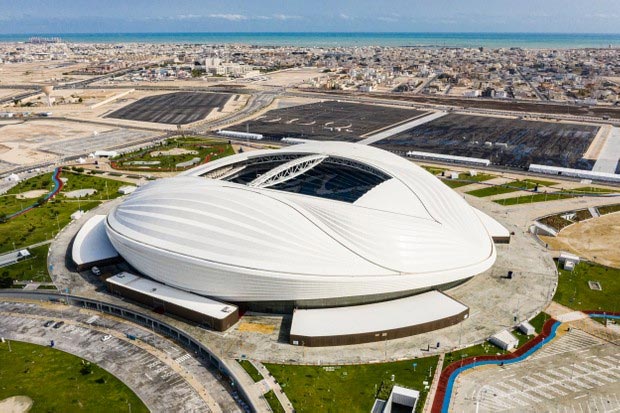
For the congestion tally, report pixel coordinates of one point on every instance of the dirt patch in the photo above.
(16, 404)
(36, 193)
(172, 152)
(256, 328)
(596, 239)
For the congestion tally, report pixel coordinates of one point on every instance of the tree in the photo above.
(5, 280)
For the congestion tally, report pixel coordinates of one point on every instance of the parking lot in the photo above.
(331, 120)
(91, 143)
(508, 142)
(172, 108)
(575, 373)
(150, 365)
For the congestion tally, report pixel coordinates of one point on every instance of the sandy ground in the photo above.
(24, 139)
(172, 152)
(598, 142)
(31, 195)
(39, 72)
(16, 404)
(290, 77)
(595, 239)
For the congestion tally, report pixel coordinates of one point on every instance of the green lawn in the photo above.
(478, 178)
(39, 224)
(540, 182)
(201, 148)
(493, 190)
(454, 183)
(573, 290)
(251, 370)
(489, 349)
(106, 188)
(433, 169)
(466, 179)
(43, 222)
(593, 190)
(37, 182)
(33, 268)
(273, 401)
(484, 349)
(350, 388)
(528, 199)
(526, 184)
(56, 382)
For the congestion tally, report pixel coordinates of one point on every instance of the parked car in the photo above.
(59, 324)
(96, 270)
(106, 338)
(48, 323)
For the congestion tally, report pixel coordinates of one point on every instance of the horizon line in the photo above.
(311, 32)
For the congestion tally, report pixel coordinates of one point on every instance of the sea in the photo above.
(489, 40)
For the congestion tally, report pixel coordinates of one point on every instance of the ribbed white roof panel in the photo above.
(238, 242)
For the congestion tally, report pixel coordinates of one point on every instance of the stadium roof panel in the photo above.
(407, 231)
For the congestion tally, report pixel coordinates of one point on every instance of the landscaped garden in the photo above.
(60, 382)
(351, 388)
(251, 370)
(32, 268)
(528, 199)
(174, 154)
(574, 291)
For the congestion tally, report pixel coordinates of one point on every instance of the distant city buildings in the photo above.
(583, 76)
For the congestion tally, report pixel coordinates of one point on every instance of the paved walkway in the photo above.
(401, 128)
(273, 385)
(253, 389)
(609, 156)
(428, 405)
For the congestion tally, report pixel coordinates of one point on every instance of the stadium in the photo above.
(316, 225)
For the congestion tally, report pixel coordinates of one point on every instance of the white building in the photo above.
(316, 224)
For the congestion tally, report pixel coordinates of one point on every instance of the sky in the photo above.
(124, 16)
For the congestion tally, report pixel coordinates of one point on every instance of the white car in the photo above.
(106, 338)
(96, 270)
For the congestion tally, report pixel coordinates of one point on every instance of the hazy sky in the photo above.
(71, 16)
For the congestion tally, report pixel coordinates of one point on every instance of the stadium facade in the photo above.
(315, 225)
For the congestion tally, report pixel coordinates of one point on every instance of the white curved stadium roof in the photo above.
(400, 229)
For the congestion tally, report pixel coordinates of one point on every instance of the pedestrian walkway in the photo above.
(401, 128)
(273, 385)
(609, 156)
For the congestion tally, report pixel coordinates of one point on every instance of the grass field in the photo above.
(273, 401)
(493, 190)
(251, 370)
(106, 188)
(433, 169)
(540, 182)
(37, 182)
(350, 388)
(526, 184)
(43, 222)
(210, 149)
(593, 190)
(483, 349)
(33, 268)
(528, 199)
(60, 382)
(573, 290)
(39, 224)
(487, 348)
(454, 184)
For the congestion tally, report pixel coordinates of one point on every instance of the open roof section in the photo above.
(334, 179)
(318, 175)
